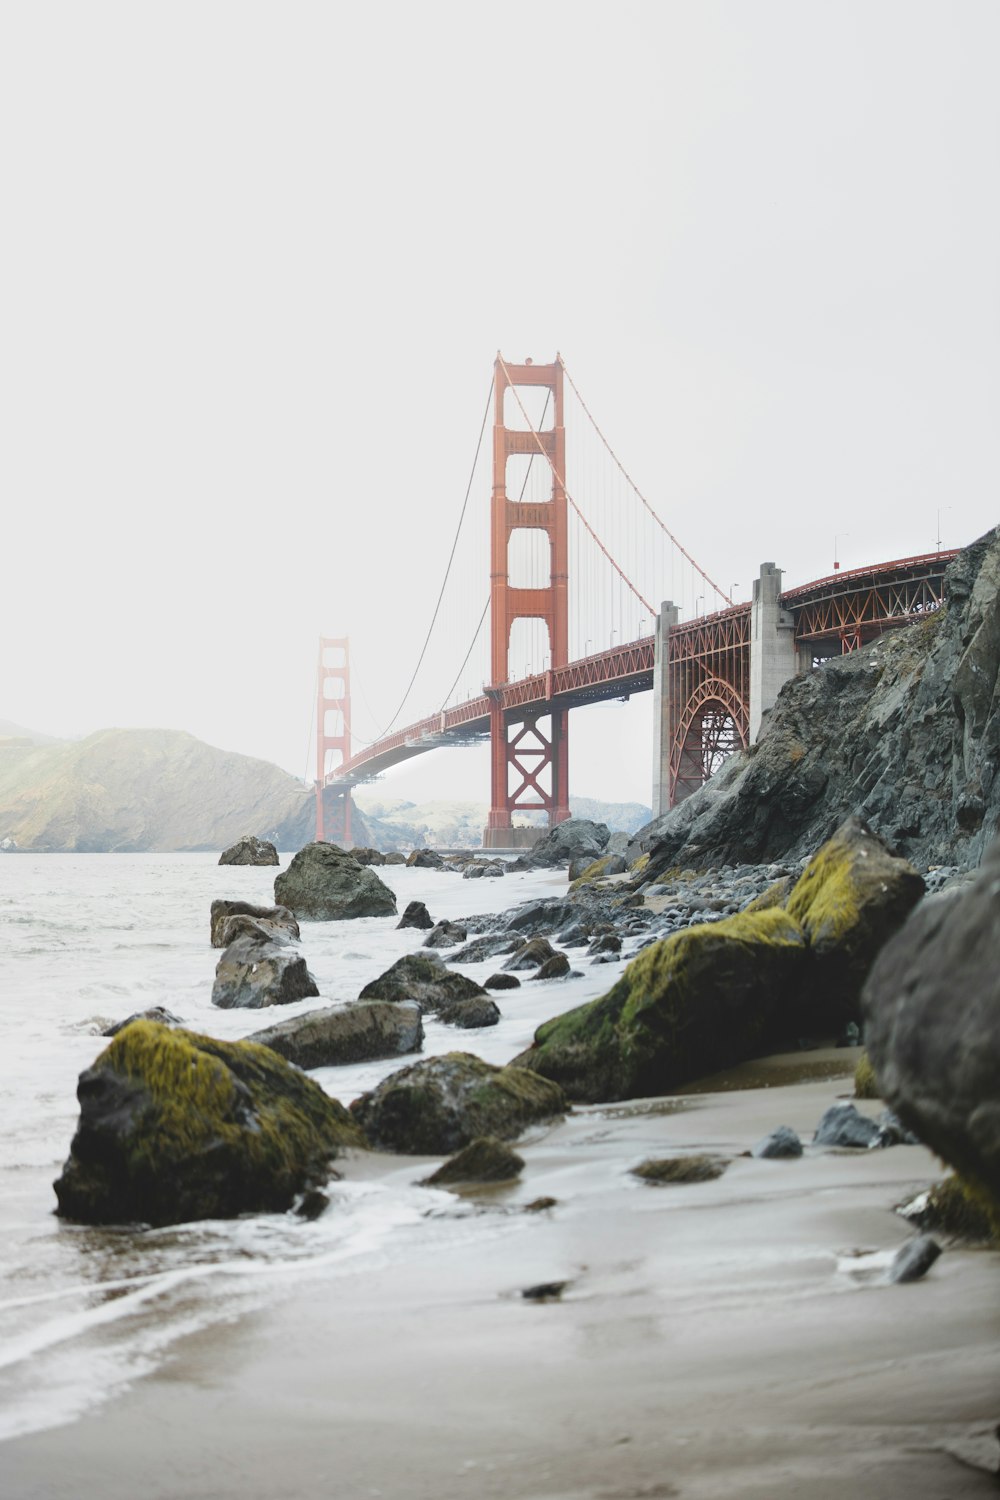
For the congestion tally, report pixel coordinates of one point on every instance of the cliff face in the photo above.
(905, 734)
(143, 789)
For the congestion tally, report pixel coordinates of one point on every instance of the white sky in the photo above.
(256, 261)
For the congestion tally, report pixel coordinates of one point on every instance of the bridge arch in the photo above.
(712, 725)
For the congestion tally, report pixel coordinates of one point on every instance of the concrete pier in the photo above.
(667, 617)
(773, 655)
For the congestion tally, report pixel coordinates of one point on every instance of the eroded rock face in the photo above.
(440, 1104)
(249, 850)
(905, 733)
(275, 922)
(324, 884)
(932, 1025)
(340, 1034)
(175, 1126)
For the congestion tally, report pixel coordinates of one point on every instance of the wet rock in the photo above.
(416, 915)
(425, 859)
(175, 1126)
(440, 1104)
(541, 916)
(478, 1010)
(490, 946)
(606, 942)
(556, 967)
(538, 1205)
(892, 1131)
(276, 922)
(251, 974)
(680, 1169)
(932, 1025)
(445, 935)
(587, 871)
(340, 1034)
(394, 857)
(155, 1013)
(569, 840)
(844, 1125)
(531, 955)
(573, 936)
(545, 1291)
(782, 1143)
(914, 1259)
(479, 870)
(424, 978)
(485, 1159)
(324, 884)
(249, 850)
(365, 856)
(502, 982)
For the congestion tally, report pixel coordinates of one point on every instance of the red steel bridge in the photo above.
(702, 668)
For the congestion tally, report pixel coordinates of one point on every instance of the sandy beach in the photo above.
(727, 1338)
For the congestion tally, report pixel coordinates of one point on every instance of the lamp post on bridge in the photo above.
(836, 542)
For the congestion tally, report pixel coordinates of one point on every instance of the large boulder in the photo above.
(932, 1026)
(249, 850)
(253, 973)
(275, 922)
(361, 1032)
(440, 1104)
(716, 994)
(567, 841)
(175, 1126)
(324, 884)
(422, 977)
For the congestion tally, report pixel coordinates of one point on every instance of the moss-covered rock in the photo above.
(423, 977)
(485, 1159)
(957, 1207)
(175, 1126)
(679, 1170)
(701, 1000)
(865, 1081)
(440, 1104)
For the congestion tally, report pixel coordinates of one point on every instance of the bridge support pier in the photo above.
(773, 654)
(663, 727)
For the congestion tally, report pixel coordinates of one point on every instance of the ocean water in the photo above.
(88, 939)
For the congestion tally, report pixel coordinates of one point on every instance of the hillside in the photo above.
(459, 825)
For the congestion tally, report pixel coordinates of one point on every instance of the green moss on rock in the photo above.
(959, 1207)
(865, 1081)
(679, 1170)
(177, 1126)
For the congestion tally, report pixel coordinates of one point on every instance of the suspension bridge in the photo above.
(571, 565)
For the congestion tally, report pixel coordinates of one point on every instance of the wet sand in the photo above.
(730, 1338)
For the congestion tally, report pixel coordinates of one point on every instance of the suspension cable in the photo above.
(562, 485)
(721, 592)
(475, 637)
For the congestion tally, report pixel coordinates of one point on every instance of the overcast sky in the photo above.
(257, 261)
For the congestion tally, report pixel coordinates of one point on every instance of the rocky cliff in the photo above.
(904, 733)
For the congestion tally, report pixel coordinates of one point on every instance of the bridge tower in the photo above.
(522, 763)
(333, 697)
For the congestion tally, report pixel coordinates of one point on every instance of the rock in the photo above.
(175, 1126)
(502, 982)
(932, 1026)
(485, 1159)
(440, 1104)
(852, 896)
(251, 974)
(324, 884)
(585, 871)
(445, 935)
(951, 1207)
(154, 1013)
(696, 1002)
(259, 930)
(249, 850)
(424, 978)
(545, 1291)
(368, 856)
(782, 1143)
(569, 840)
(416, 915)
(844, 1125)
(914, 1259)
(864, 734)
(277, 921)
(478, 1010)
(606, 942)
(478, 870)
(360, 1032)
(892, 1131)
(680, 1169)
(556, 967)
(425, 859)
(486, 947)
(530, 955)
(541, 916)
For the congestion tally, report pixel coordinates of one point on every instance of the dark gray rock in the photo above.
(154, 1013)
(416, 915)
(425, 859)
(904, 733)
(365, 856)
(556, 967)
(845, 1125)
(424, 978)
(251, 974)
(932, 1025)
(479, 870)
(541, 916)
(324, 884)
(249, 850)
(440, 1104)
(892, 1131)
(782, 1143)
(483, 1160)
(502, 982)
(531, 955)
(489, 946)
(476, 1011)
(276, 921)
(445, 935)
(346, 1033)
(914, 1259)
(569, 840)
